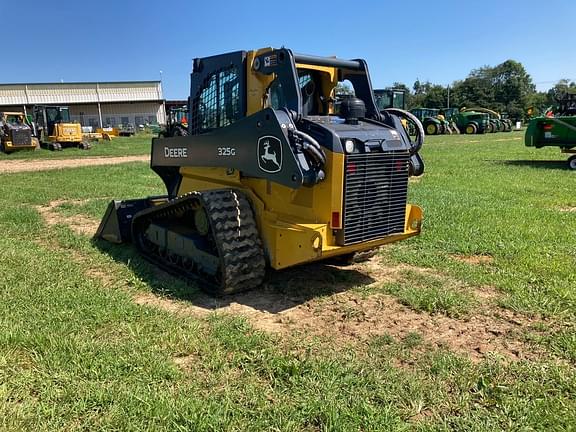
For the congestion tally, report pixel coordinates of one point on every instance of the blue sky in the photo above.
(134, 40)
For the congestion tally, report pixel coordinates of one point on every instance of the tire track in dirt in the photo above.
(16, 166)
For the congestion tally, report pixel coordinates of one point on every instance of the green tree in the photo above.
(506, 87)
(512, 88)
(560, 89)
(539, 101)
(429, 95)
(474, 90)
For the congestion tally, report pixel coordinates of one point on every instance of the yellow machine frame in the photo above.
(66, 133)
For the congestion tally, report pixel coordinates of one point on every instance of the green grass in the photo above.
(503, 200)
(76, 352)
(430, 293)
(120, 146)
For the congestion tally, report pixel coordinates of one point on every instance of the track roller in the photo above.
(210, 237)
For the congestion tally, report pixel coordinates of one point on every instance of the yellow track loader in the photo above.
(16, 132)
(270, 175)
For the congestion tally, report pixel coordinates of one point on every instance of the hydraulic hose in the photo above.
(313, 148)
(316, 155)
(417, 145)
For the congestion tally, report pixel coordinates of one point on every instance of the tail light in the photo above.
(336, 224)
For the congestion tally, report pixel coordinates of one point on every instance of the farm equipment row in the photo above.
(448, 120)
(466, 120)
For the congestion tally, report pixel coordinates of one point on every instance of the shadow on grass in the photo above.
(539, 164)
(280, 291)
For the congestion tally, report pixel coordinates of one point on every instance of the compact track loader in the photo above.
(16, 132)
(270, 175)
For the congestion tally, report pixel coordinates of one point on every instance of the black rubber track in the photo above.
(233, 233)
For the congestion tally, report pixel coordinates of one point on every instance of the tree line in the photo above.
(506, 88)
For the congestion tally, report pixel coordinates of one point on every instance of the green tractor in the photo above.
(507, 121)
(468, 122)
(497, 123)
(433, 120)
(556, 128)
(176, 122)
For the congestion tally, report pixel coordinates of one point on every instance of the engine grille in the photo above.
(375, 193)
(21, 137)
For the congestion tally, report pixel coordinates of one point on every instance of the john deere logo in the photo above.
(269, 154)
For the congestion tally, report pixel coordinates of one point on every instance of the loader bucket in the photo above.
(116, 224)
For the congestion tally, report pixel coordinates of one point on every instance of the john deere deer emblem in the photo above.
(269, 154)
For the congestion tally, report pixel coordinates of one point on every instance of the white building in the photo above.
(91, 103)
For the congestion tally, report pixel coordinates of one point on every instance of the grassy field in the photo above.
(468, 327)
(120, 146)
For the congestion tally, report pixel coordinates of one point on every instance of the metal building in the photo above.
(91, 103)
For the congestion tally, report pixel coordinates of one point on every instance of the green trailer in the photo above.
(557, 128)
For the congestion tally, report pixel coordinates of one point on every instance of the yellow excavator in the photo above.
(270, 175)
(55, 129)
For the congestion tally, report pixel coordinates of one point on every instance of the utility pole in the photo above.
(448, 104)
(162, 119)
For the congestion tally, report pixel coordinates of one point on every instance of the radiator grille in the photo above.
(21, 136)
(375, 192)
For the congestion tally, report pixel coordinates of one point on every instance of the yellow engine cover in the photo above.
(67, 132)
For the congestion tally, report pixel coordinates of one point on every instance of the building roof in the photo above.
(80, 82)
(80, 92)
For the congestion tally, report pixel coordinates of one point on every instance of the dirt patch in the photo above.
(495, 140)
(567, 209)
(14, 166)
(187, 362)
(342, 317)
(486, 293)
(349, 318)
(80, 224)
(318, 301)
(473, 259)
(95, 273)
